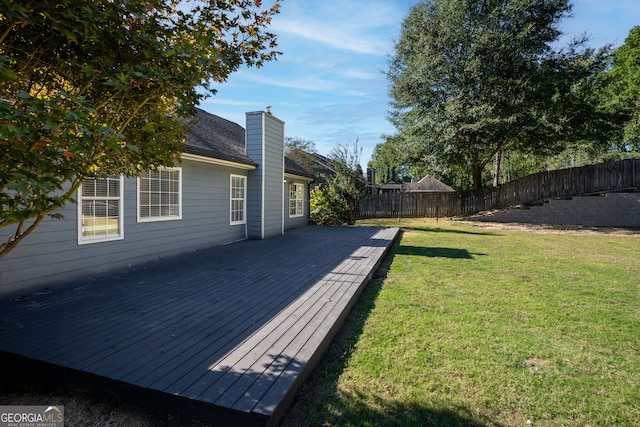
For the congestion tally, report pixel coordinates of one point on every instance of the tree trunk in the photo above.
(476, 172)
(496, 171)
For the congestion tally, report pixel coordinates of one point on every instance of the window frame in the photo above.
(232, 199)
(82, 239)
(299, 202)
(159, 218)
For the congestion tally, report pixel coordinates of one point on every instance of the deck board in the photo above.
(229, 333)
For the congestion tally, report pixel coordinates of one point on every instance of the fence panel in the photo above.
(611, 176)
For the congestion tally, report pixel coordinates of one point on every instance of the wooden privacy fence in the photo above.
(611, 176)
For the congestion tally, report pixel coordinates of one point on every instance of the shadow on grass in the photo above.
(382, 414)
(434, 252)
(449, 230)
(320, 403)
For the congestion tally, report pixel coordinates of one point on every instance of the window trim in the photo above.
(83, 240)
(232, 199)
(298, 202)
(161, 218)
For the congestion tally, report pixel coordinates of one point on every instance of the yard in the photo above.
(464, 325)
(487, 326)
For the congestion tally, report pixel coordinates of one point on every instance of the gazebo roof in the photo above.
(428, 183)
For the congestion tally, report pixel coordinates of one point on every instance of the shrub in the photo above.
(328, 207)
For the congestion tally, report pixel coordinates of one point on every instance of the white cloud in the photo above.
(304, 82)
(360, 27)
(359, 74)
(335, 37)
(228, 102)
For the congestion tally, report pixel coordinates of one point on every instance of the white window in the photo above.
(296, 199)
(100, 210)
(160, 195)
(238, 199)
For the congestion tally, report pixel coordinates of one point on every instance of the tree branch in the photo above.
(16, 238)
(6, 33)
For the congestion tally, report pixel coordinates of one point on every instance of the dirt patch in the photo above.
(536, 365)
(84, 409)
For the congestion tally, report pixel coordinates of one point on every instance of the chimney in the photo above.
(264, 140)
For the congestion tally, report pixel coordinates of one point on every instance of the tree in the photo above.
(106, 87)
(471, 78)
(394, 160)
(389, 164)
(624, 91)
(301, 151)
(348, 180)
(327, 207)
(335, 201)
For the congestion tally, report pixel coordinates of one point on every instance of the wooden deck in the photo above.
(226, 335)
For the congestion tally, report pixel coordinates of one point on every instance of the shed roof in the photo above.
(391, 185)
(428, 183)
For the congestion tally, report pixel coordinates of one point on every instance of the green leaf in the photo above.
(148, 127)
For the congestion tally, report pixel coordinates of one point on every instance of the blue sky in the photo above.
(329, 85)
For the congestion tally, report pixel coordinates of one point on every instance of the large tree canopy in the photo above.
(99, 87)
(624, 92)
(471, 78)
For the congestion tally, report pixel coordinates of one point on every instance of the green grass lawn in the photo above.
(487, 327)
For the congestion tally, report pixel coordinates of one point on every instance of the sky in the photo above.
(329, 85)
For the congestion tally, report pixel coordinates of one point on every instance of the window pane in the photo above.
(101, 188)
(113, 186)
(89, 187)
(100, 207)
(159, 192)
(144, 198)
(154, 185)
(296, 199)
(237, 194)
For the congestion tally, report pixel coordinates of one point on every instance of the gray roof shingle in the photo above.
(212, 136)
(290, 166)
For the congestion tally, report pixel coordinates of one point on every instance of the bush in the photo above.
(328, 207)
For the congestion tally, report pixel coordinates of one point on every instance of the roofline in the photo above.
(212, 160)
(295, 175)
